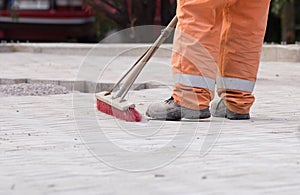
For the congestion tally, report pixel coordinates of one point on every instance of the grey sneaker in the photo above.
(170, 111)
(219, 109)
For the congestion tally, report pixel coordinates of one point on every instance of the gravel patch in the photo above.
(36, 89)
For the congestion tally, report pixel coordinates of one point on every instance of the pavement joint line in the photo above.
(270, 52)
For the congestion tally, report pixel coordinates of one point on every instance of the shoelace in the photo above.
(170, 100)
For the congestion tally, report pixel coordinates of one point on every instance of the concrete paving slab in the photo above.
(47, 147)
(62, 145)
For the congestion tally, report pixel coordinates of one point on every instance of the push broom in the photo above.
(113, 102)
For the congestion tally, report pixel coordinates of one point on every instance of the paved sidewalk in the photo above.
(60, 144)
(84, 69)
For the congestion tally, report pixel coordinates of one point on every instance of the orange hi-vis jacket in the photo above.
(218, 42)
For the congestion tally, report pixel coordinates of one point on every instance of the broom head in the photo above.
(117, 108)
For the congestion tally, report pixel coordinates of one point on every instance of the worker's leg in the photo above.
(196, 52)
(241, 44)
(194, 61)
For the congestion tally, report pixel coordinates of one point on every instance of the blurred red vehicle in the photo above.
(46, 20)
(65, 20)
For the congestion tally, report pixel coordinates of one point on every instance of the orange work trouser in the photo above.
(218, 41)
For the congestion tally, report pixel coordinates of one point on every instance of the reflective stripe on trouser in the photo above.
(225, 34)
(190, 86)
(235, 84)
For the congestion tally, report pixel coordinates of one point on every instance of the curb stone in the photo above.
(279, 53)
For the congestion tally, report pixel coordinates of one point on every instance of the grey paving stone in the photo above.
(61, 144)
(42, 150)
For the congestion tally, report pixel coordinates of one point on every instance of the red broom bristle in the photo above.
(130, 115)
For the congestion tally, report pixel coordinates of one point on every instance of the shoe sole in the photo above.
(190, 114)
(187, 114)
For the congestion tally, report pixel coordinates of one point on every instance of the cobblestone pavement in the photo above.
(60, 144)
